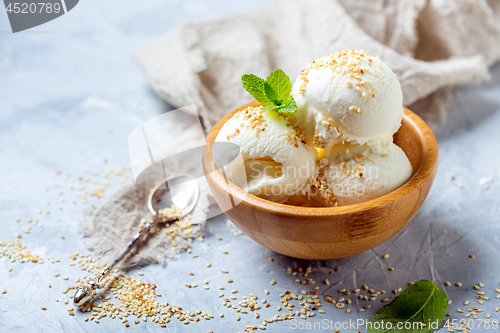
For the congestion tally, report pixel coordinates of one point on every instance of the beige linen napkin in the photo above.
(432, 46)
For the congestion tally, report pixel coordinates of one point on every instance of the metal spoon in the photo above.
(180, 190)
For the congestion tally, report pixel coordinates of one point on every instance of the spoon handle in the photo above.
(88, 290)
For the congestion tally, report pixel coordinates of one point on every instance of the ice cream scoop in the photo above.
(277, 162)
(356, 173)
(348, 96)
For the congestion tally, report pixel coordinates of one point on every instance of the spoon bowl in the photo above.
(180, 190)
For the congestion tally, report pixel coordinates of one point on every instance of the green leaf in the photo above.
(271, 94)
(422, 302)
(289, 106)
(270, 108)
(278, 86)
(274, 93)
(255, 86)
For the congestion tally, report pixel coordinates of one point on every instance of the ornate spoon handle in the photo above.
(88, 290)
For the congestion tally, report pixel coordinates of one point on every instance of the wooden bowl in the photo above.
(320, 233)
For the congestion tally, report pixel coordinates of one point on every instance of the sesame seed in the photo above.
(44, 308)
(458, 284)
(385, 256)
(273, 282)
(391, 268)
(447, 283)
(471, 256)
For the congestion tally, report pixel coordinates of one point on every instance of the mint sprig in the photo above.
(420, 303)
(274, 92)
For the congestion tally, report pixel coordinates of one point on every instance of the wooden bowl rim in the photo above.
(423, 173)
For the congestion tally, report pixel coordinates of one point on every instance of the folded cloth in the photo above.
(431, 45)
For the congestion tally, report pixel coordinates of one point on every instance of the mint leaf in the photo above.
(274, 93)
(422, 302)
(270, 108)
(289, 106)
(278, 86)
(255, 86)
(271, 94)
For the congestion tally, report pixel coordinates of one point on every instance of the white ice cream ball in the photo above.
(357, 173)
(348, 96)
(277, 162)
